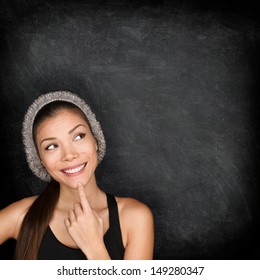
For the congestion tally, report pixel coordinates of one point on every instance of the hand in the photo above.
(84, 225)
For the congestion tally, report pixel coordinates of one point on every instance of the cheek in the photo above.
(47, 164)
(49, 161)
(91, 152)
(92, 156)
(89, 148)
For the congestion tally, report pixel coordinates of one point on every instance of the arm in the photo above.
(11, 218)
(138, 229)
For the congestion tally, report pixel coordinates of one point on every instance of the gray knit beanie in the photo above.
(27, 130)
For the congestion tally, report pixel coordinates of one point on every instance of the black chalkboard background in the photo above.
(175, 85)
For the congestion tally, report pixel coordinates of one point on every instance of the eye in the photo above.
(51, 147)
(79, 136)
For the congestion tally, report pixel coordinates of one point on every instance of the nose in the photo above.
(69, 153)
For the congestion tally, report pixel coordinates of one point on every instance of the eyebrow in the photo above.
(70, 131)
(73, 129)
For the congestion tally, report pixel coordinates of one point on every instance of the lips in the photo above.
(74, 170)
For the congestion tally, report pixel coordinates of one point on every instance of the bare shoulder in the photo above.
(11, 217)
(132, 210)
(127, 205)
(20, 207)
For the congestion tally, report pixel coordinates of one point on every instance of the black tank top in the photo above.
(52, 249)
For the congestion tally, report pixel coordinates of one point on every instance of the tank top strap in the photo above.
(114, 223)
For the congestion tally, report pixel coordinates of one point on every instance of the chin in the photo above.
(72, 182)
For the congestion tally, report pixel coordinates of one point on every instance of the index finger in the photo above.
(83, 197)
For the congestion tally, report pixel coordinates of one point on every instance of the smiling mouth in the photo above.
(74, 170)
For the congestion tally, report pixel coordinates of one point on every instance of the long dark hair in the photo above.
(41, 211)
(36, 222)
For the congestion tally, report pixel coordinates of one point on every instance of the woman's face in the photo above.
(67, 148)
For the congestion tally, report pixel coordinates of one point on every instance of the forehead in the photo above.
(63, 119)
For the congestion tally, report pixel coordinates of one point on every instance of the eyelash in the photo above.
(82, 135)
(48, 147)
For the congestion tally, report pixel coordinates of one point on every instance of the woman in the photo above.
(72, 218)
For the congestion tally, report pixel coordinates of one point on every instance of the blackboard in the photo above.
(175, 86)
